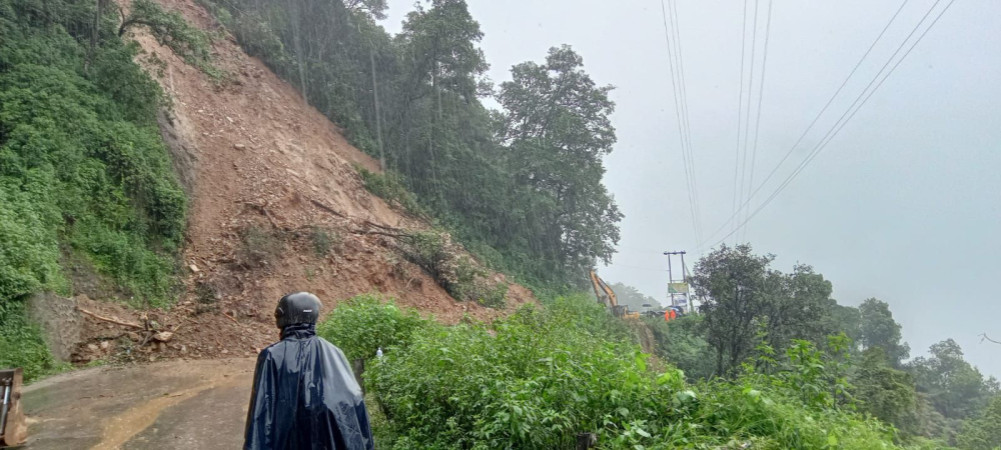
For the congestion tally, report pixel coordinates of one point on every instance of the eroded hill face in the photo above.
(277, 205)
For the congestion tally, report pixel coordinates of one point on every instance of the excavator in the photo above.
(606, 296)
(13, 428)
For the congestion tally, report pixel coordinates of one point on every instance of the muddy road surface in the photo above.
(172, 404)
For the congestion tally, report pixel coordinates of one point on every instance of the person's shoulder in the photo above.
(271, 350)
(330, 346)
(326, 343)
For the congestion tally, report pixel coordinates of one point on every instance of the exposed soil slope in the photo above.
(265, 171)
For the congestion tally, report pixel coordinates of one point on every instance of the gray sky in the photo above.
(903, 205)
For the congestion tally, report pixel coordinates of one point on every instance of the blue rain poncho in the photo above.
(305, 396)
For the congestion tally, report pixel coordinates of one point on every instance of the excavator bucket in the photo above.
(13, 427)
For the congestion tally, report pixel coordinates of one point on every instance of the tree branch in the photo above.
(106, 319)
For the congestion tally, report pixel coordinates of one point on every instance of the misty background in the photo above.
(903, 205)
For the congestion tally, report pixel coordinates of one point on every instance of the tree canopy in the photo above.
(877, 328)
(520, 187)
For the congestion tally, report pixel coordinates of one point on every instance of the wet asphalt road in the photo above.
(174, 404)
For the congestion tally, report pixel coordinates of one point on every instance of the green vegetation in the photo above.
(983, 432)
(170, 29)
(446, 262)
(756, 320)
(520, 187)
(258, 246)
(543, 375)
(391, 188)
(683, 343)
(324, 241)
(83, 170)
(364, 323)
(21, 343)
(746, 303)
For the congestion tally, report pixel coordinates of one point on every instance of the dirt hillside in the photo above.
(269, 176)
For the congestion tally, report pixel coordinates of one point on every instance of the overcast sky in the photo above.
(903, 205)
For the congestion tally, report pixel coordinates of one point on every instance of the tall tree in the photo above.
(443, 67)
(984, 432)
(847, 320)
(877, 328)
(954, 387)
(800, 307)
(556, 127)
(439, 46)
(374, 8)
(732, 283)
(885, 392)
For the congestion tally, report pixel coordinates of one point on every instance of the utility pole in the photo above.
(677, 290)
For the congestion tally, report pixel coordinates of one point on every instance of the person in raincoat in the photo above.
(305, 395)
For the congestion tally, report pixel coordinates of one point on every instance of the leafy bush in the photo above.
(170, 29)
(259, 246)
(21, 343)
(492, 297)
(984, 432)
(541, 376)
(390, 187)
(84, 173)
(682, 342)
(362, 324)
(82, 166)
(324, 240)
(446, 262)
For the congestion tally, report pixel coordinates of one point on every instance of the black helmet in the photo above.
(299, 307)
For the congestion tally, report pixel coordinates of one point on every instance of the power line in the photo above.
(681, 112)
(677, 111)
(847, 117)
(761, 93)
(740, 112)
(816, 119)
(639, 268)
(747, 114)
(676, 21)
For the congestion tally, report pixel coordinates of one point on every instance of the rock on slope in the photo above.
(268, 175)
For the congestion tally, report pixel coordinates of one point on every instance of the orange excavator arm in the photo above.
(601, 290)
(606, 296)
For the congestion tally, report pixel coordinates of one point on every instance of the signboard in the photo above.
(677, 288)
(681, 300)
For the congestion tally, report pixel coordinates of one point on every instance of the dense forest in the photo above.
(770, 360)
(520, 187)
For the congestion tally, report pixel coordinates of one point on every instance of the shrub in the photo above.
(324, 240)
(21, 343)
(458, 274)
(259, 246)
(390, 187)
(83, 168)
(170, 29)
(492, 297)
(362, 324)
(682, 342)
(543, 375)
(206, 297)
